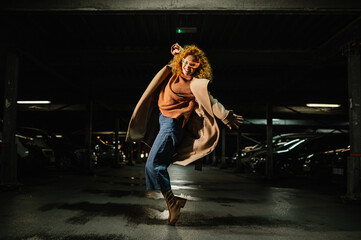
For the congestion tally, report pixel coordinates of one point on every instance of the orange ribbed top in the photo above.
(176, 98)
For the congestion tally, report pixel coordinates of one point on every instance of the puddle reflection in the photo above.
(144, 214)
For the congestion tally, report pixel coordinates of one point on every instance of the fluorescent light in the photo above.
(33, 102)
(322, 105)
(108, 132)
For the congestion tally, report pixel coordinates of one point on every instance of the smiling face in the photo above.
(189, 65)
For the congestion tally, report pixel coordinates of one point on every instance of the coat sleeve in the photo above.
(226, 116)
(143, 112)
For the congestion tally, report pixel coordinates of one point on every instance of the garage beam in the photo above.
(333, 46)
(247, 6)
(234, 57)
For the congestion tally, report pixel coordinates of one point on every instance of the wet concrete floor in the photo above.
(113, 204)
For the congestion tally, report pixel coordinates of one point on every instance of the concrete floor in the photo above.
(113, 204)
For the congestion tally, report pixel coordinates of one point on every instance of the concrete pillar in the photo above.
(139, 147)
(8, 166)
(214, 158)
(269, 162)
(238, 159)
(87, 164)
(354, 91)
(131, 161)
(116, 136)
(223, 156)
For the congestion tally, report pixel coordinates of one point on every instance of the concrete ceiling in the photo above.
(285, 53)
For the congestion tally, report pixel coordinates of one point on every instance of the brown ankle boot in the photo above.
(174, 205)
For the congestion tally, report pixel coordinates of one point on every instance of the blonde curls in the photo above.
(203, 71)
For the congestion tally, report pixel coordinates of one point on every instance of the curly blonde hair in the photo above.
(203, 71)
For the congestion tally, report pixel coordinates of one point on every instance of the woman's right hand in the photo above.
(175, 49)
(236, 121)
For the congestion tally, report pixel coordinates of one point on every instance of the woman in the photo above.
(176, 116)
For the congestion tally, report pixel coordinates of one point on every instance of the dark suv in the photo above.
(290, 158)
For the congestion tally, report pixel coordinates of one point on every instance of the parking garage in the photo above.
(73, 71)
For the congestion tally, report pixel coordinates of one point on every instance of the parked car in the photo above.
(249, 155)
(60, 150)
(105, 154)
(327, 164)
(289, 158)
(32, 154)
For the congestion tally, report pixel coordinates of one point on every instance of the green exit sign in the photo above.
(186, 30)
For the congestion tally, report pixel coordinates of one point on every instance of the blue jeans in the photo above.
(160, 156)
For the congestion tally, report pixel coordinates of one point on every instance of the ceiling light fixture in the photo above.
(33, 102)
(323, 105)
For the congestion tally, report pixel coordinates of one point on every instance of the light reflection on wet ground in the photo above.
(112, 203)
(149, 215)
(158, 195)
(47, 236)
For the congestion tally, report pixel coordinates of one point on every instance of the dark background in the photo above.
(286, 59)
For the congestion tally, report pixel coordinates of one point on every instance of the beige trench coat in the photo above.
(201, 132)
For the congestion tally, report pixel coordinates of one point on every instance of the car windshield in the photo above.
(291, 144)
(29, 141)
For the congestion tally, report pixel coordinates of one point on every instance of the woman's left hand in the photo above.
(236, 121)
(175, 49)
